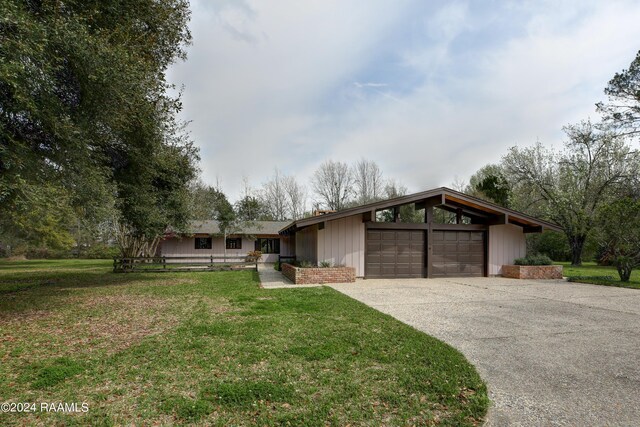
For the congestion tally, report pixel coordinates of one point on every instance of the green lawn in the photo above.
(590, 272)
(215, 349)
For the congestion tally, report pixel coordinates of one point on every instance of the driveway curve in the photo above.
(551, 352)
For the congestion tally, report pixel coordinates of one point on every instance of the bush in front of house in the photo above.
(305, 264)
(253, 256)
(533, 260)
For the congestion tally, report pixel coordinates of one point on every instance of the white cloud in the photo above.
(427, 93)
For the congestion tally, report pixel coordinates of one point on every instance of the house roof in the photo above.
(442, 197)
(253, 228)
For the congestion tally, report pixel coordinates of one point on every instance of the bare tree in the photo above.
(368, 181)
(274, 197)
(333, 183)
(459, 184)
(296, 196)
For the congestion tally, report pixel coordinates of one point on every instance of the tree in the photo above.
(619, 234)
(489, 183)
(407, 213)
(570, 186)
(84, 108)
(274, 197)
(333, 184)
(41, 218)
(251, 208)
(296, 196)
(368, 181)
(623, 109)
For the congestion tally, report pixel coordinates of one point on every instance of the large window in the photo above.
(234, 243)
(268, 246)
(203, 242)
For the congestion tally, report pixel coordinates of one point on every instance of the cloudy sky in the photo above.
(430, 90)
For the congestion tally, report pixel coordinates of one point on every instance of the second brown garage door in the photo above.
(395, 253)
(458, 253)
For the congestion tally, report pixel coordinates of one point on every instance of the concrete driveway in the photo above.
(552, 352)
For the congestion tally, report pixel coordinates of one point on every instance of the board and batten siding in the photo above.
(341, 242)
(287, 245)
(306, 245)
(506, 243)
(185, 246)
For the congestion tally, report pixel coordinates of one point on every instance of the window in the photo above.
(235, 243)
(268, 246)
(203, 242)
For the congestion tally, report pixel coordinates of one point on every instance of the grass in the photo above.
(590, 272)
(215, 349)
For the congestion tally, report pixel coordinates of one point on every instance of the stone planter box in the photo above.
(317, 275)
(544, 272)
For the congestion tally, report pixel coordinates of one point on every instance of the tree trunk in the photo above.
(624, 266)
(625, 273)
(577, 245)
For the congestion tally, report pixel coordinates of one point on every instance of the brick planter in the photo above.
(532, 271)
(317, 275)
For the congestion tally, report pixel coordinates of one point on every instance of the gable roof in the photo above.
(254, 227)
(445, 198)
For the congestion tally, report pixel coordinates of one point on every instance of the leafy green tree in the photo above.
(489, 183)
(550, 243)
(570, 186)
(619, 234)
(41, 218)
(84, 108)
(407, 213)
(623, 109)
(251, 208)
(229, 221)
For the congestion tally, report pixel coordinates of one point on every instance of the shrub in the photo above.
(100, 251)
(589, 278)
(253, 256)
(534, 260)
(46, 253)
(305, 264)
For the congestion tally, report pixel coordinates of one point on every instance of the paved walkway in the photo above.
(271, 278)
(551, 352)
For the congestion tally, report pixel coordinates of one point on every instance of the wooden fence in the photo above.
(183, 263)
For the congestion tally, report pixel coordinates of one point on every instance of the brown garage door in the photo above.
(458, 253)
(392, 253)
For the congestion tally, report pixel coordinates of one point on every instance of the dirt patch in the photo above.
(102, 324)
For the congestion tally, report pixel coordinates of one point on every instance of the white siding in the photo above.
(506, 243)
(185, 246)
(306, 245)
(341, 242)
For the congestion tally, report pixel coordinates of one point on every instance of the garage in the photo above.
(458, 254)
(443, 233)
(395, 253)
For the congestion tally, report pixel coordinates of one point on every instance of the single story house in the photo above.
(204, 239)
(482, 237)
(478, 239)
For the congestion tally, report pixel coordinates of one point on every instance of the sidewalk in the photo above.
(273, 279)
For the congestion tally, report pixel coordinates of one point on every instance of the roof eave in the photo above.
(410, 198)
